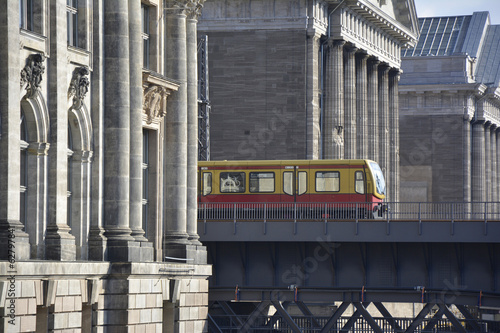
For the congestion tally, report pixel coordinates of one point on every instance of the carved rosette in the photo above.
(155, 103)
(32, 74)
(79, 86)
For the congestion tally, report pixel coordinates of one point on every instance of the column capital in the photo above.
(362, 55)
(338, 43)
(351, 50)
(384, 67)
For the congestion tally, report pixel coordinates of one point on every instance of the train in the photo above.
(320, 188)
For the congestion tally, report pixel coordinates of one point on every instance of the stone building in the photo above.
(307, 79)
(98, 182)
(450, 111)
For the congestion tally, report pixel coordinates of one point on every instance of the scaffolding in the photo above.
(203, 101)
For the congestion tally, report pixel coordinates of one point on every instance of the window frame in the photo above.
(72, 22)
(356, 180)
(323, 172)
(261, 172)
(146, 35)
(203, 183)
(232, 172)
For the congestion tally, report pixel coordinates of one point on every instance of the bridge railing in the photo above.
(400, 211)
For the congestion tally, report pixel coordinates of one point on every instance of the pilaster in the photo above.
(361, 105)
(467, 173)
(10, 133)
(313, 99)
(333, 127)
(59, 243)
(393, 147)
(350, 103)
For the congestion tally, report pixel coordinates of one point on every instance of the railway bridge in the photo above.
(274, 265)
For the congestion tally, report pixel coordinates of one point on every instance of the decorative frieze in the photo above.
(32, 74)
(79, 86)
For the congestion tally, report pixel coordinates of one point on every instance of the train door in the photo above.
(358, 188)
(205, 180)
(295, 184)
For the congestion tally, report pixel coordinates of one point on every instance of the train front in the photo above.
(378, 189)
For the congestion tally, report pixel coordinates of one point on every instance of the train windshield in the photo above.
(378, 177)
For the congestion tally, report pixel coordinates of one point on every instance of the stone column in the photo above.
(116, 196)
(175, 151)
(494, 175)
(361, 106)
(59, 243)
(467, 173)
(487, 162)
(372, 137)
(136, 64)
(497, 154)
(10, 133)
(478, 165)
(383, 124)
(192, 143)
(313, 103)
(350, 103)
(333, 117)
(97, 240)
(394, 135)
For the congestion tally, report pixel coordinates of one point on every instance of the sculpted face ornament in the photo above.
(31, 74)
(79, 86)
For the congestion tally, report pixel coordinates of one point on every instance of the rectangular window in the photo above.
(145, 35)
(261, 182)
(26, 14)
(288, 182)
(232, 182)
(72, 13)
(327, 181)
(207, 183)
(302, 182)
(145, 179)
(359, 182)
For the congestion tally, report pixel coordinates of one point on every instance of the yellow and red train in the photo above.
(350, 183)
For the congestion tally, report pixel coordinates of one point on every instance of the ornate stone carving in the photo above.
(79, 86)
(155, 100)
(192, 8)
(31, 74)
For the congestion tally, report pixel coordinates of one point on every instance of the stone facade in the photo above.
(450, 112)
(98, 147)
(307, 79)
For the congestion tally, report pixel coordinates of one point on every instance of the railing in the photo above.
(391, 211)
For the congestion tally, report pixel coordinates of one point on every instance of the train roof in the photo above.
(282, 162)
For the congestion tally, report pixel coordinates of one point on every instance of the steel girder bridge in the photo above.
(270, 274)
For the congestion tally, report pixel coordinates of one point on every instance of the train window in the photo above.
(327, 181)
(288, 182)
(261, 182)
(302, 182)
(207, 183)
(359, 182)
(232, 182)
